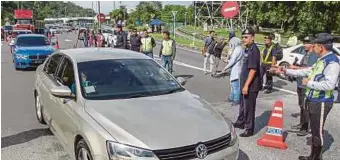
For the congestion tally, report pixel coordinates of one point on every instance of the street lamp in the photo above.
(185, 23)
(174, 14)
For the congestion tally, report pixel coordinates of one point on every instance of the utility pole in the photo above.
(174, 14)
(185, 21)
(99, 13)
(114, 5)
(194, 35)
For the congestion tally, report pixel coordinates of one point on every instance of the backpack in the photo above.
(278, 52)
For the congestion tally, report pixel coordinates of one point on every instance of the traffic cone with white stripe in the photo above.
(274, 134)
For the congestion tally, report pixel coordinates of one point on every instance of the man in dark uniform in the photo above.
(268, 60)
(321, 81)
(250, 82)
(135, 40)
(308, 60)
(121, 38)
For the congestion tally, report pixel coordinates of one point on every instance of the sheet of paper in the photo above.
(89, 89)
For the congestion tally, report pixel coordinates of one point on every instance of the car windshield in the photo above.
(24, 21)
(125, 78)
(32, 41)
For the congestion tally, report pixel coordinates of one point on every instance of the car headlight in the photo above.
(119, 151)
(233, 135)
(21, 56)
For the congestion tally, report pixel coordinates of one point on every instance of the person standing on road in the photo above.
(100, 38)
(121, 38)
(135, 40)
(268, 59)
(147, 44)
(307, 61)
(321, 81)
(207, 56)
(168, 51)
(233, 68)
(250, 82)
(217, 54)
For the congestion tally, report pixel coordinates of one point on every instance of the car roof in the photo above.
(93, 54)
(31, 35)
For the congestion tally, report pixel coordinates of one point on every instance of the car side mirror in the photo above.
(62, 92)
(181, 80)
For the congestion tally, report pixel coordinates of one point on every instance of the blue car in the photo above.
(30, 50)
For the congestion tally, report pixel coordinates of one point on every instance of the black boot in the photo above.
(318, 153)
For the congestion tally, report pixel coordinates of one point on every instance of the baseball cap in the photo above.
(269, 36)
(248, 31)
(231, 34)
(308, 39)
(323, 38)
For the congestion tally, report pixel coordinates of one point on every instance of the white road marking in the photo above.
(67, 40)
(201, 69)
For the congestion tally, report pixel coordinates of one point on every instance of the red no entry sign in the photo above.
(230, 9)
(101, 17)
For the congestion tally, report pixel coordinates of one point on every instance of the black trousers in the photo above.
(338, 98)
(246, 115)
(304, 113)
(269, 76)
(318, 112)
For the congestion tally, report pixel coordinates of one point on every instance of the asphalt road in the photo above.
(23, 138)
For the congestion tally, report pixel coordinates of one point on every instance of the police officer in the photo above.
(135, 40)
(168, 51)
(121, 38)
(250, 82)
(321, 81)
(147, 45)
(308, 60)
(268, 60)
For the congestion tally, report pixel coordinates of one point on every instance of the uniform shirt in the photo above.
(251, 60)
(331, 73)
(307, 61)
(272, 53)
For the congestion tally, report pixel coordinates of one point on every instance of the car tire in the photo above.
(39, 109)
(83, 150)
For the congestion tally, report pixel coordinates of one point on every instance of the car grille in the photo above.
(37, 57)
(189, 152)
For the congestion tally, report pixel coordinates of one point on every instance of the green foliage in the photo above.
(45, 9)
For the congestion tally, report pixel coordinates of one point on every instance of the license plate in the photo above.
(38, 61)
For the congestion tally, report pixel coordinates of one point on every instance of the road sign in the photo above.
(101, 17)
(230, 9)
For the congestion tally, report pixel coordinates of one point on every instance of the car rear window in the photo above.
(32, 41)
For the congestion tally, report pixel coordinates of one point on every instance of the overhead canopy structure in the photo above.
(156, 22)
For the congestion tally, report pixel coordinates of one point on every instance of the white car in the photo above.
(108, 36)
(289, 54)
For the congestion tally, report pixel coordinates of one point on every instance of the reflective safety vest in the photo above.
(318, 75)
(146, 44)
(266, 59)
(167, 47)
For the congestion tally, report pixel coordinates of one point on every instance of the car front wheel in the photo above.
(83, 151)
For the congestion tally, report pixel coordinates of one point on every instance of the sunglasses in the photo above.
(245, 37)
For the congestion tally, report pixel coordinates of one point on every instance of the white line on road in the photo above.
(201, 69)
(67, 40)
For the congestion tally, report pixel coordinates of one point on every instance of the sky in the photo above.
(107, 6)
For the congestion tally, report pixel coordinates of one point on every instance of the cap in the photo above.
(248, 31)
(270, 36)
(231, 34)
(308, 39)
(323, 38)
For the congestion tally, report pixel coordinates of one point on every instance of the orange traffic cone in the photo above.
(274, 135)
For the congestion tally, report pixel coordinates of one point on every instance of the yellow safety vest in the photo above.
(167, 47)
(265, 60)
(146, 44)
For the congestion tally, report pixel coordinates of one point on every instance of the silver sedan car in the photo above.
(112, 104)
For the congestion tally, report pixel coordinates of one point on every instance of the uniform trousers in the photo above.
(246, 116)
(304, 113)
(269, 76)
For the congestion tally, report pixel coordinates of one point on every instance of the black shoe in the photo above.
(247, 134)
(236, 125)
(268, 91)
(297, 127)
(305, 158)
(302, 133)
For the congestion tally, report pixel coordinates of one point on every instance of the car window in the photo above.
(298, 50)
(32, 41)
(65, 75)
(51, 66)
(124, 78)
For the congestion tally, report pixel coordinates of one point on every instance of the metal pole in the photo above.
(185, 23)
(99, 13)
(174, 14)
(114, 5)
(194, 36)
